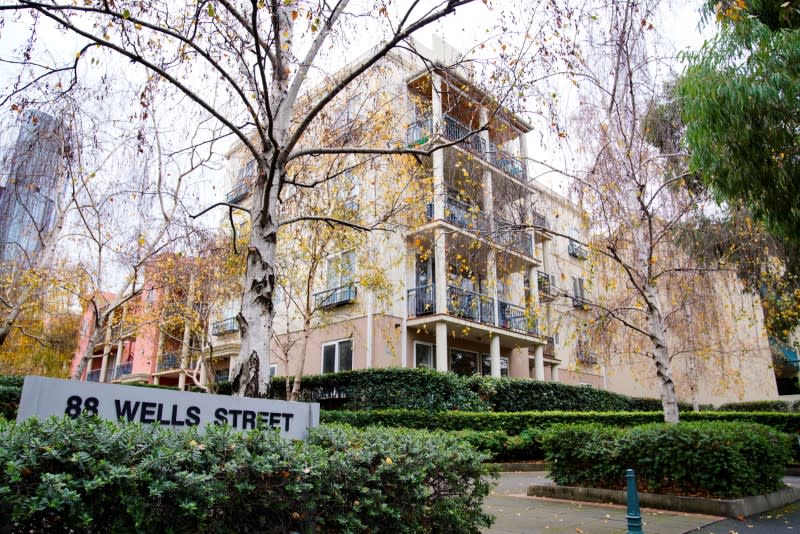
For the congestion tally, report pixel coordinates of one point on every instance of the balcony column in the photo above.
(441, 346)
(439, 189)
(533, 283)
(440, 268)
(494, 353)
(491, 281)
(538, 362)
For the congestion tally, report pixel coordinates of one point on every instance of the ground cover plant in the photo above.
(87, 475)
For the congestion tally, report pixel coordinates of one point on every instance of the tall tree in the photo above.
(741, 100)
(249, 66)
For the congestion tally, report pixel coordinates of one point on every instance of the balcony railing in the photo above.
(225, 326)
(540, 221)
(507, 163)
(338, 296)
(580, 302)
(123, 369)
(516, 318)
(240, 191)
(93, 376)
(547, 290)
(466, 216)
(172, 360)
(419, 132)
(454, 130)
(576, 250)
(586, 357)
(421, 301)
(514, 239)
(223, 376)
(470, 305)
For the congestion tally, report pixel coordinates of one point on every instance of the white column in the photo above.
(441, 346)
(494, 353)
(439, 190)
(538, 362)
(103, 366)
(491, 279)
(440, 274)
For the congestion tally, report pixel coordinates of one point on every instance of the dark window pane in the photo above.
(424, 356)
(463, 363)
(345, 355)
(329, 358)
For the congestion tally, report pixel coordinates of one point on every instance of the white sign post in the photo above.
(43, 397)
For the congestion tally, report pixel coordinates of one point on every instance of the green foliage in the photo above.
(9, 401)
(741, 103)
(761, 406)
(87, 475)
(370, 389)
(383, 388)
(714, 459)
(514, 423)
(12, 381)
(504, 448)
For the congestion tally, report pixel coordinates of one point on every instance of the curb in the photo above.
(744, 506)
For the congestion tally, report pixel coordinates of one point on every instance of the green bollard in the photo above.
(634, 516)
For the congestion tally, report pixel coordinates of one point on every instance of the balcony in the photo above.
(172, 360)
(123, 369)
(421, 301)
(516, 318)
(225, 326)
(222, 375)
(240, 191)
(419, 133)
(547, 289)
(512, 238)
(470, 305)
(338, 296)
(576, 250)
(540, 222)
(586, 357)
(466, 216)
(93, 376)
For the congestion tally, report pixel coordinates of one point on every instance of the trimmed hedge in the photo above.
(710, 459)
(517, 422)
(426, 389)
(504, 448)
(87, 475)
(761, 406)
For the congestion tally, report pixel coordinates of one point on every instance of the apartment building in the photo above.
(487, 276)
(157, 336)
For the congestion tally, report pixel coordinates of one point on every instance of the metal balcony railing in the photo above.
(547, 290)
(586, 357)
(240, 190)
(421, 301)
(516, 318)
(93, 376)
(172, 360)
(515, 239)
(337, 296)
(223, 376)
(470, 305)
(580, 302)
(466, 216)
(540, 222)
(123, 369)
(419, 132)
(576, 250)
(225, 326)
(507, 163)
(454, 130)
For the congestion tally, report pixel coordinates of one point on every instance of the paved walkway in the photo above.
(517, 513)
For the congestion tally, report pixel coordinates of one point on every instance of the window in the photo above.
(578, 297)
(486, 367)
(463, 362)
(341, 268)
(424, 355)
(337, 356)
(273, 369)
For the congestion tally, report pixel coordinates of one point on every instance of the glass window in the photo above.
(463, 362)
(341, 268)
(423, 355)
(337, 356)
(486, 367)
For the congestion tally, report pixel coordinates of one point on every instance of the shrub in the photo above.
(12, 381)
(714, 459)
(500, 447)
(88, 475)
(9, 400)
(367, 389)
(515, 423)
(759, 406)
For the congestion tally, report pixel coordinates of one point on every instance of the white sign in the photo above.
(43, 397)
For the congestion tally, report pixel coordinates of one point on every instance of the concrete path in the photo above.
(517, 513)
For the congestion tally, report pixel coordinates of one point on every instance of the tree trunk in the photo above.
(658, 335)
(251, 368)
(97, 334)
(298, 375)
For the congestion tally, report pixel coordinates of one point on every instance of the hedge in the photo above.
(709, 459)
(517, 422)
(761, 406)
(426, 389)
(87, 475)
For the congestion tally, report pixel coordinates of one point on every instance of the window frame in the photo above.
(336, 355)
(433, 354)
